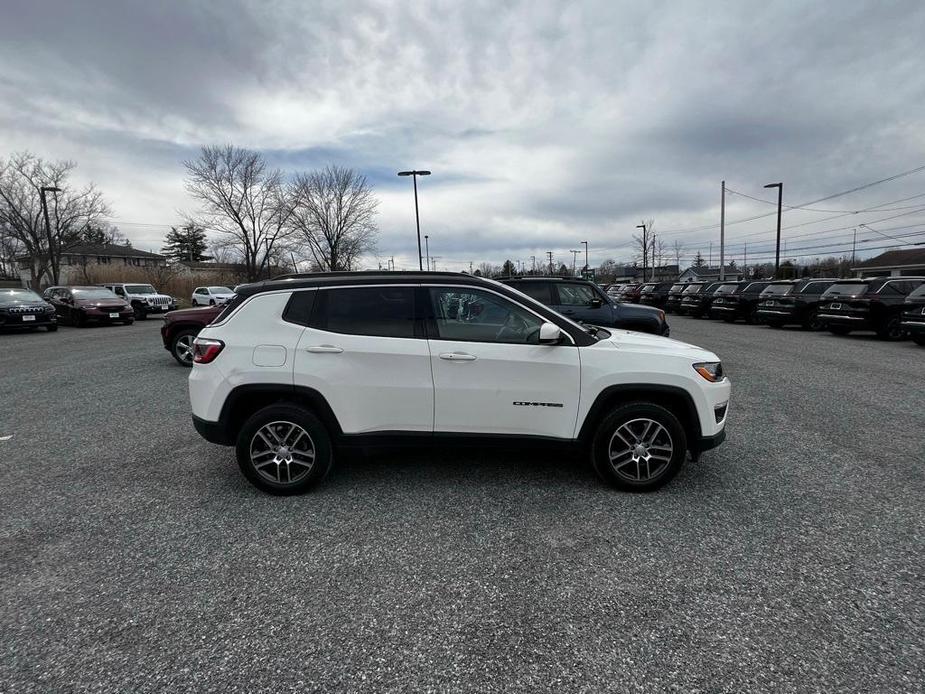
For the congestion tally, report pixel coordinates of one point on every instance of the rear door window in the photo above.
(575, 294)
(384, 311)
(541, 291)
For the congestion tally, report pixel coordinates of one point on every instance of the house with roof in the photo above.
(79, 260)
(899, 263)
(710, 274)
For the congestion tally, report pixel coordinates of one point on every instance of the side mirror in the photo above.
(597, 302)
(550, 334)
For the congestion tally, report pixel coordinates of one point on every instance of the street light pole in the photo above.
(417, 220)
(51, 255)
(780, 199)
(574, 256)
(427, 250)
(586, 257)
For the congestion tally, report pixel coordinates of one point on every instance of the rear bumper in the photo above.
(777, 314)
(213, 432)
(855, 322)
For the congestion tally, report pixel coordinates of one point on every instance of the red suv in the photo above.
(181, 327)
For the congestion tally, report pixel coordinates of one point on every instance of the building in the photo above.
(79, 261)
(633, 273)
(900, 263)
(710, 274)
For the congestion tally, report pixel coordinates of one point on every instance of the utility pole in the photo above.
(745, 262)
(722, 233)
(549, 255)
(645, 248)
(574, 255)
(780, 198)
(533, 260)
(434, 260)
(427, 250)
(586, 258)
(854, 246)
(710, 264)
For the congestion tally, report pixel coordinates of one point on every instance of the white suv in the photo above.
(295, 369)
(211, 296)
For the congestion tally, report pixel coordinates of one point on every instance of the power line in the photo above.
(801, 205)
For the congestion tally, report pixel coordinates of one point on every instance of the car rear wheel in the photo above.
(891, 330)
(181, 347)
(639, 447)
(812, 321)
(284, 449)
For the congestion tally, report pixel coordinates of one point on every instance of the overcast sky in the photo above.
(545, 124)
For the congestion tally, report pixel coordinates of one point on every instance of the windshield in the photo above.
(94, 294)
(140, 289)
(693, 289)
(726, 288)
(677, 287)
(647, 287)
(846, 289)
(220, 290)
(16, 294)
(531, 302)
(777, 289)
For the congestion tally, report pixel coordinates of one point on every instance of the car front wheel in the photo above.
(284, 449)
(639, 447)
(892, 329)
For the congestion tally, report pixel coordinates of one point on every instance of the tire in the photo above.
(140, 313)
(80, 321)
(891, 330)
(616, 432)
(184, 341)
(51, 328)
(812, 321)
(271, 477)
(919, 340)
(774, 324)
(729, 319)
(194, 303)
(129, 321)
(839, 330)
(211, 302)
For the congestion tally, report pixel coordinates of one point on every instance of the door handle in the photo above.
(324, 349)
(458, 356)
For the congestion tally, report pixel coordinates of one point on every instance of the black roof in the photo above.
(321, 279)
(545, 278)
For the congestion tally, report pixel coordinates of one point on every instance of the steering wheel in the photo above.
(510, 326)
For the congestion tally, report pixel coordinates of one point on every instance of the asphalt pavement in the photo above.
(135, 557)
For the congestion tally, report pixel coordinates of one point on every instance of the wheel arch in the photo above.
(673, 398)
(244, 400)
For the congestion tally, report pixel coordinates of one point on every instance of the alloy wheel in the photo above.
(183, 348)
(640, 450)
(282, 452)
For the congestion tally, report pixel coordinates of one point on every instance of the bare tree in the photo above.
(334, 212)
(71, 210)
(642, 246)
(677, 250)
(243, 200)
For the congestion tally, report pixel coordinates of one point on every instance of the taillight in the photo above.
(206, 349)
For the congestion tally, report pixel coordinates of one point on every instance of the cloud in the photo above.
(545, 124)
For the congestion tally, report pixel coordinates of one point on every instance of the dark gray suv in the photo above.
(584, 301)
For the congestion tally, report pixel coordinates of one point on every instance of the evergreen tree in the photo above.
(508, 270)
(185, 243)
(698, 260)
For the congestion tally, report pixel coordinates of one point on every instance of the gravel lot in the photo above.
(134, 556)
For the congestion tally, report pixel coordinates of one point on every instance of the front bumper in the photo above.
(21, 320)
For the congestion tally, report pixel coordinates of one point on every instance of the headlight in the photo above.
(143, 300)
(49, 309)
(661, 315)
(710, 370)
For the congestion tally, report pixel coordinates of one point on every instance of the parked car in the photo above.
(792, 302)
(143, 298)
(211, 296)
(581, 300)
(873, 303)
(654, 294)
(673, 299)
(741, 302)
(181, 327)
(24, 309)
(46, 295)
(696, 300)
(298, 369)
(630, 293)
(614, 290)
(81, 305)
(913, 316)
